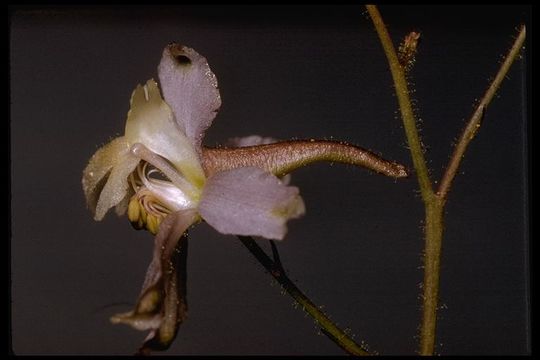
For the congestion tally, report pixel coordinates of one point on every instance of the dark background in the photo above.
(286, 72)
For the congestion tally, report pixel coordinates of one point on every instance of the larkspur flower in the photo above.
(164, 178)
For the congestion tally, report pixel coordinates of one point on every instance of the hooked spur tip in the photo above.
(401, 171)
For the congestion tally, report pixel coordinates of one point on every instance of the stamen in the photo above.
(154, 198)
(145, 210)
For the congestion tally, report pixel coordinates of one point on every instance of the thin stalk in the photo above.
(474, 123)
(330, 329)
(407, 114)
(432, 265)
(433, 208)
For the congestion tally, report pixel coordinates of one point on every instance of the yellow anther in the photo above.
(134, 210)
(152, 224)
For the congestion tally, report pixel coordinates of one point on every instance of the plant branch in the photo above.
(433, 207)
(327, 326)
(474, 123)
(434, 203)
(405, 106)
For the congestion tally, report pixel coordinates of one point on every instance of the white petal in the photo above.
(249, 201)
(168, 170)
(150, 122)
(251, 140)
(190, 88)
(171, 196)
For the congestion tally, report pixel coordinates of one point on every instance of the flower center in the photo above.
(155, 198)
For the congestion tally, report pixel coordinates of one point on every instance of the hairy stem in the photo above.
(327, 326)
(283, 157)
(432, 264)
(474, 123)
(407, 114)
(433, 209)
(434, 203)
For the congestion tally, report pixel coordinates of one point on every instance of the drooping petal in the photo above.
(249, 201)
(190, 88)
(162, 304)
(174, 308)
(97, 172)
(150, 121)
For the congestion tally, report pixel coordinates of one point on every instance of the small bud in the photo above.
(407, 50)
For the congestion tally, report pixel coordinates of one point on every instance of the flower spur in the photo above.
(164, 177)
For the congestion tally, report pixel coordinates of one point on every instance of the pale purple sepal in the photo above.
(191, 90)
(250, 201)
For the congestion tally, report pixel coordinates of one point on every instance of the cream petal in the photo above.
(151, 122)
(99, 167)
(190, 88)
(249, 201)
(121, 207)
(117, 186)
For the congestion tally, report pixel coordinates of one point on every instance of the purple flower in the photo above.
(167, 181)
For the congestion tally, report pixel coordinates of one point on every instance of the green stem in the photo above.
(407, 114)
(434, 203)
(327, 326)
(432, 265)
(433, 207)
